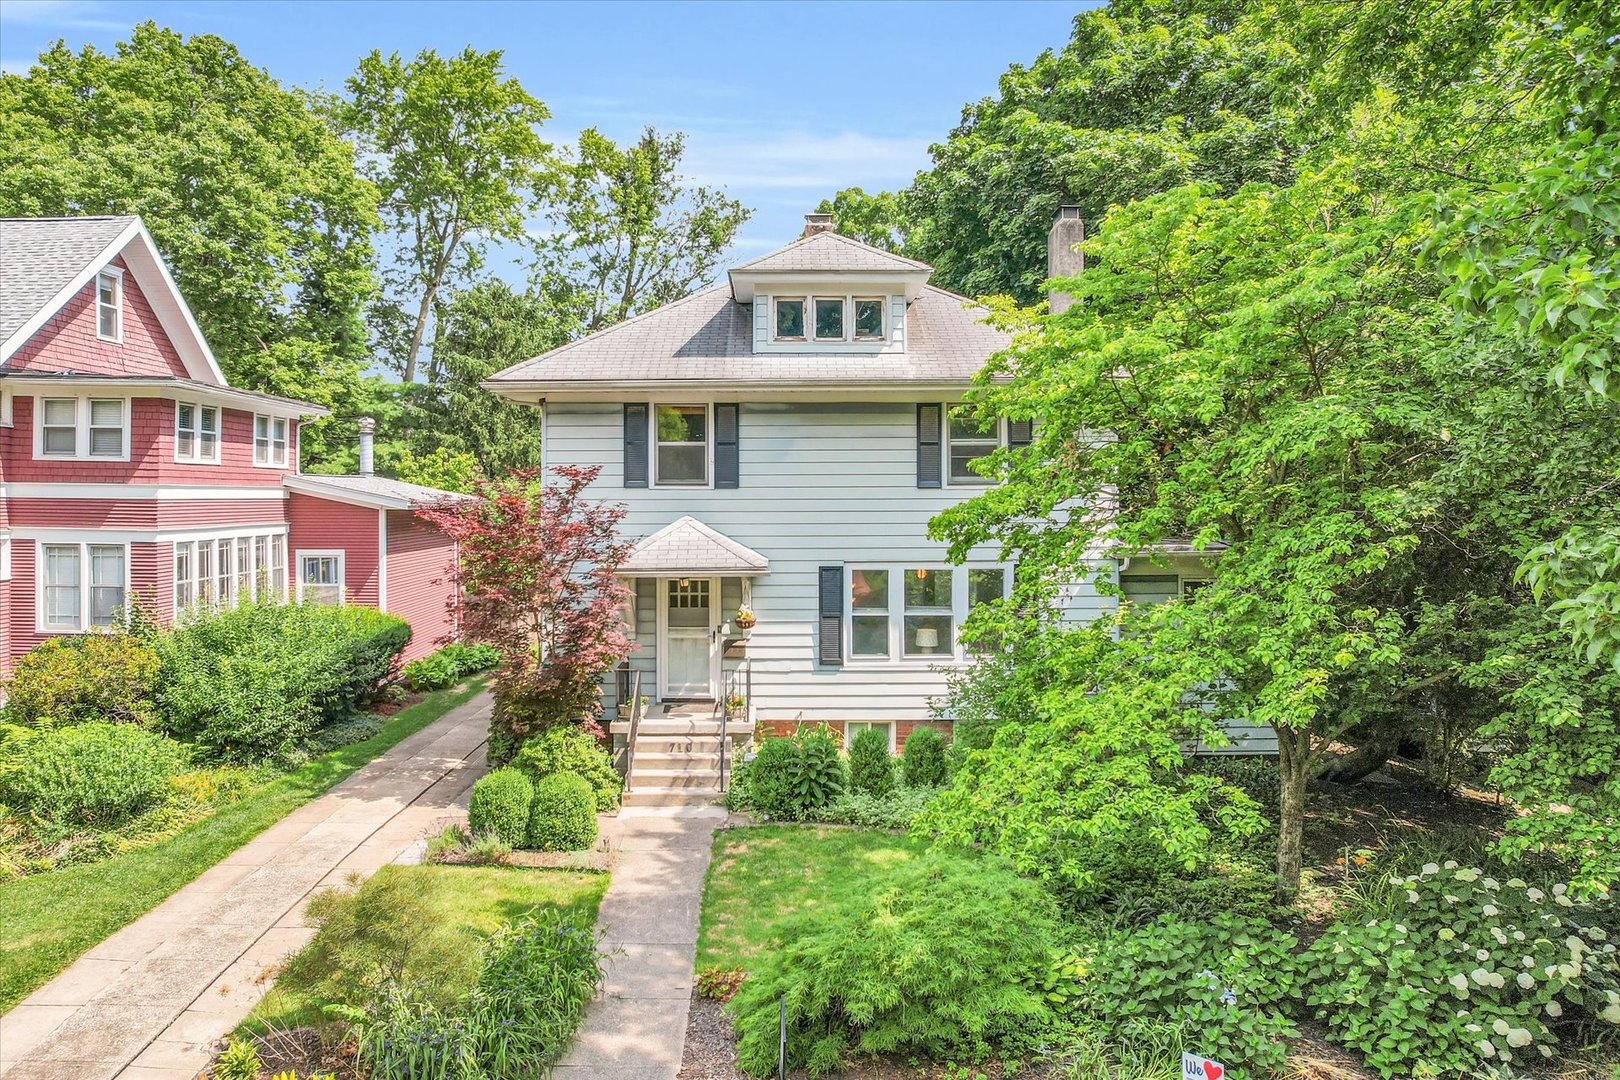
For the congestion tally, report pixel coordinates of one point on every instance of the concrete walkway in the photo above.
(636, 1030)
(150, 1001)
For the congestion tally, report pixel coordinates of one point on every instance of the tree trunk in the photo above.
(417, 335)
(1293, 761)
(1368, 757)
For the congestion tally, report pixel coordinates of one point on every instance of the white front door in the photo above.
(688, 617)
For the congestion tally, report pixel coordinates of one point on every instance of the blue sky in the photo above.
(782, 103)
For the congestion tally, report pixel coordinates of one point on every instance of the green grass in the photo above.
(467, 905)
(761, 874)
(53, 917)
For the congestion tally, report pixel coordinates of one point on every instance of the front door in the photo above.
(689, 637)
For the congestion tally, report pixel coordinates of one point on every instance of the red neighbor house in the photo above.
(132, 473)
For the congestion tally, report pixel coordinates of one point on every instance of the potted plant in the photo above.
(744, 619)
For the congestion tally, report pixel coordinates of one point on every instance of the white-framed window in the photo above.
(81, 586)
(185, 577)
(320, 577)
(224, 571)
(225, 593)
(681, 439)
(82, 428)
(244, 567)
(828, 319)
(270, 441)
(196, 433)
(278, 566)
(913, 612)
(853, 728)
(970, 439)
(110, 305)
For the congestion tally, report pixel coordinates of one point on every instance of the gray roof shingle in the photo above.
(830, 252)
(687, 546)
(377, 489)
(708, 337)
(40, 256)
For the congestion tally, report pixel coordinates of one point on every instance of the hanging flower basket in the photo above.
(744, 619)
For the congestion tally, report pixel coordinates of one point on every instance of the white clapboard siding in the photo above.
(822, 484)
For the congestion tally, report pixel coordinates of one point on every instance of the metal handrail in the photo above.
(635, 726)
(742, 676)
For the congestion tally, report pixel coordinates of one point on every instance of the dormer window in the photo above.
(110, 306)
(832, 318)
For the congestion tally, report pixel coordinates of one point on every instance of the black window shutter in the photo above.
(1020, 433)
(635, 445)
(929, 451)
(831, 644)
(725, 446)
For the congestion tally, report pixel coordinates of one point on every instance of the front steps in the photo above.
(676, 758)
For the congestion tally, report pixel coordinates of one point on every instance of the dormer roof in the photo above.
(827, 257)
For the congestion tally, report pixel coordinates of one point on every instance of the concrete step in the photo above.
(679, 725)
(676, 778)
(665, 796)
(679, 759)
(687, 743)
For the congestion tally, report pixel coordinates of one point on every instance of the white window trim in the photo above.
(197, 458)
(849, 735)
(286, 445)
(234, 537)
(84, 625)
(708, 449)
(5, 407)
(5, 555)
(849, 336)
(957, 654)
(322, 553)
(117, 277)
(81, 427)
(977, 481)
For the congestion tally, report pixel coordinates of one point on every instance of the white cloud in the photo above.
(60, 14)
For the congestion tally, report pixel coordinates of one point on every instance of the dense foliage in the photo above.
(499, 806)
(922, 758)
(942, 958)
(575, 751)
(66, 680)
(562, 815)
(259, 679)
(449, 665)
(93, 774)
(791, 778)
(871, 766)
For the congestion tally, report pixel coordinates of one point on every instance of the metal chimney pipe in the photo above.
(1063, 256)
(368, 427)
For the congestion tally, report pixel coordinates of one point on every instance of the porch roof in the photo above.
(686, 546)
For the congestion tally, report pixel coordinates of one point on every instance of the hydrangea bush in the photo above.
(1473, 971)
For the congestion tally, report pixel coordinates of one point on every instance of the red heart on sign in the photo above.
(1213, 1071)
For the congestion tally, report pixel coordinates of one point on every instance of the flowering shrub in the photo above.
(1230, 980)
(1473, 971)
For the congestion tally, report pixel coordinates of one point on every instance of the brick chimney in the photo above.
(368, 427)
(817, 223)
(1063, 257)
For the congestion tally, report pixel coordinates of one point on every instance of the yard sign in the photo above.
(1194, 1067)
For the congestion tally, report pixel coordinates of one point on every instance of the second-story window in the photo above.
(109, 306)
(269, 441)
(829, 319)
(681, 436)
(972, 439)
(83, 428)
(59, 426)
(869, 318)
(196, 432)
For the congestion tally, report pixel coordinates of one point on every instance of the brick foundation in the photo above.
(768, 729)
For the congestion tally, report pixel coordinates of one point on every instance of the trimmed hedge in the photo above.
(573, 750)
(871, 766)
(499, 806)
(922, 759)
(95, 775)
(257, 680)
(562, 816)
(105, 677)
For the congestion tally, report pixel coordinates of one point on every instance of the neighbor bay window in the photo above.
(914, 612)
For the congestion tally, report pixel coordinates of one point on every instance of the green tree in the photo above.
(871, 219)
(1146, 96)
(629, 233)
(254, 200)
(455, 151)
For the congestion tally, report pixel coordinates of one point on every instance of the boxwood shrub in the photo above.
(257, 680)
(573, 750)
(499, 806)
(562, 816)
(871, 766)
(94, 775)
(922, 758)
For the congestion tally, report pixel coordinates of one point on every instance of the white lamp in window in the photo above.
(927, 637)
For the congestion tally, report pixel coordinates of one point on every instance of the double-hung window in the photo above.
(278, 566)
(82, 586)
(914, 613)
(110, 306)
(320, 577)
(196, 432)
(681, 441)
(83, 428)
(970, 440)
(270, 441)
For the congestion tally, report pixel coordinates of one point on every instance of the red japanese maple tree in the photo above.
(536, 579)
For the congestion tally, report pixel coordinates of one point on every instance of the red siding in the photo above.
(151, 451)
(71, 513)
(68, 342)
(324, 525)
(419, 590)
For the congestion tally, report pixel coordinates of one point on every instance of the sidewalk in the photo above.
(150, 1001)
(636, 1030)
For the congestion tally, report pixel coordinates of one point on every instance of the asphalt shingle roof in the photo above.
(40, 256)
(830, 252)
(708, 336)
(687, 546)
(381, 488)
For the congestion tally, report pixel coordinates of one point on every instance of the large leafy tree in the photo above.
(872, 219)
(629, 233)
(1146, 96)
(254, 200)
(455, 150)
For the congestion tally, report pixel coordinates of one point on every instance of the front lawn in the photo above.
(53, 917)
(457, 908)
(763, 873)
